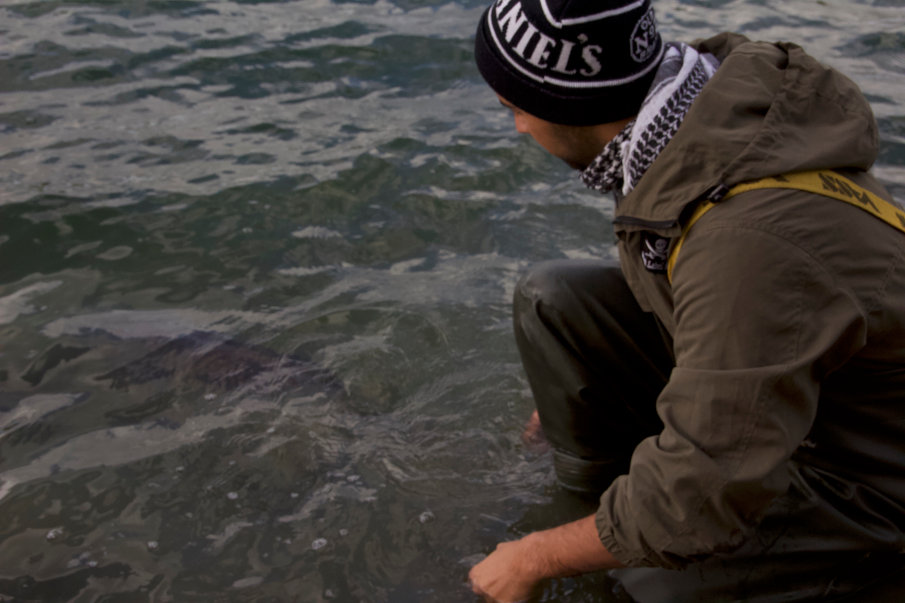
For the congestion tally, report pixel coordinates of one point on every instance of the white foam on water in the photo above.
(32, 408)
(123, 445)
(316, 232)
(15, 304)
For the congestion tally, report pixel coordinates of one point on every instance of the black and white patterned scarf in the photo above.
(679, 79)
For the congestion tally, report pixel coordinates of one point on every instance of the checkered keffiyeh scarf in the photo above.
(680, 78)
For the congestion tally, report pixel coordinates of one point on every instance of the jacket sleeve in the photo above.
(759, 323)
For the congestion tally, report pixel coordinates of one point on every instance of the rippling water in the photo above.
(255, 268)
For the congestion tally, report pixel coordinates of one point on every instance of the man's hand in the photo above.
(533, 434)
(515, 569)
(506, 575)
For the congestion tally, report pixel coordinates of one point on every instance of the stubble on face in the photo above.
(577, 146)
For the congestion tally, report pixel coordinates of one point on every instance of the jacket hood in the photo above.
(770, 109)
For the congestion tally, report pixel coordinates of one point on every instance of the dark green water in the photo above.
(255, 269)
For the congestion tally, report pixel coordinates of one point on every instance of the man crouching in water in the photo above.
(733, 391)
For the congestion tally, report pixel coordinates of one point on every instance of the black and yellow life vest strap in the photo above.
(821, 182)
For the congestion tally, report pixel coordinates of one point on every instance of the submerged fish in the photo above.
(177, 394)
(221, 365)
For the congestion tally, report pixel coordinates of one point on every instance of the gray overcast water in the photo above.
(255, 268)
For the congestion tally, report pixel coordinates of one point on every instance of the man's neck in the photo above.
(599, 136)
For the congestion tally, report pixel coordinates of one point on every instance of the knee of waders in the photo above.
(535, 287)
(560, 283)
(586, 476)
(540, 281)
(546, 284)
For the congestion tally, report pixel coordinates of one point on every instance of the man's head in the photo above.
(576, 145)
(570, 62)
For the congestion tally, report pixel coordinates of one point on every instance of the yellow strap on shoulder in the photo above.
(821, 182)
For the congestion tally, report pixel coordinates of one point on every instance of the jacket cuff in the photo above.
(606, 531)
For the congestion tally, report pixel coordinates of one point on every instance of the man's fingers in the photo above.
(472, 583)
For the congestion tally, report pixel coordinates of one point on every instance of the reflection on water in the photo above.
(254, 291)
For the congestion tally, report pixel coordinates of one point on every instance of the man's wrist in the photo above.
(567, 550)
(539, 563)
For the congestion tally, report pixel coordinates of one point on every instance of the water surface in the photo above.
(255, 268)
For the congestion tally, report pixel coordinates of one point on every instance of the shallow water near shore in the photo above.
(256, 260)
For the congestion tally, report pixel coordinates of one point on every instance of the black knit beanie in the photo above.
(574, 62)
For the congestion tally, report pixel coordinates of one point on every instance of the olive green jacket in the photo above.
(787, 311)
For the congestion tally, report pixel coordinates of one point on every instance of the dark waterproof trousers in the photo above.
(596, 364)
